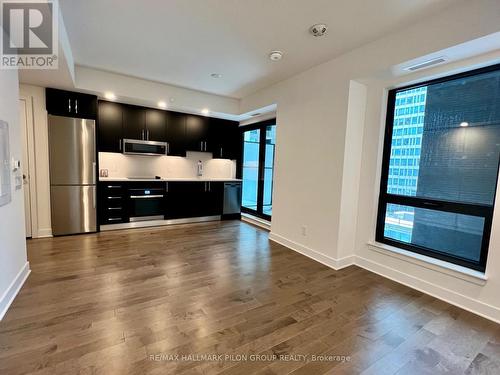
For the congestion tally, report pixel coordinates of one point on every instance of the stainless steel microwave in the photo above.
(139, 147)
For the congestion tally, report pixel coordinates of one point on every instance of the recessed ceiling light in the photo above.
(464, 124)
(109, 95)
(162, 104)
(318, 30)
(275, 55)
(205, 111)
(216, 75)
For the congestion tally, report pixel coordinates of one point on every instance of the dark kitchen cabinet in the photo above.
(109, 127)
(226, 139)
(198, 133)
(176, 133)
(70, 104)
(134, 122)
(194, 199)
(112, 203)
(156, 125)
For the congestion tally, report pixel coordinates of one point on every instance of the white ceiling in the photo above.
(181, 42)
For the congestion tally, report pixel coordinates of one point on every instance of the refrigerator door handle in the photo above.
(94, 169)
(94, 196)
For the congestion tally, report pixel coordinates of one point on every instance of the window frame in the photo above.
(385, 198)
(261, 125)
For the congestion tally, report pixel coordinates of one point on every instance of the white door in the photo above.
(25, 167)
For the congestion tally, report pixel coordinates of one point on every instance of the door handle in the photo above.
(146, 196)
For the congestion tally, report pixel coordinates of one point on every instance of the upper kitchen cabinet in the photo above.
(144, 124)
(198, 133)
(226, 139)
(134, 122)
(156, 125)
(71, 104)
(176, 133)
(109, 127)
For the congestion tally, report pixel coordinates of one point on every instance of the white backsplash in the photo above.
(119, 165)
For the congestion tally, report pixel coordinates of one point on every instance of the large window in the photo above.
(440, 167)
(258, 168)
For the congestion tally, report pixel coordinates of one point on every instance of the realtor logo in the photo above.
(29, 34)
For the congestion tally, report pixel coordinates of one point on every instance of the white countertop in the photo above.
(170, 179)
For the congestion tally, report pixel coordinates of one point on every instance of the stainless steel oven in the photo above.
(146, 203)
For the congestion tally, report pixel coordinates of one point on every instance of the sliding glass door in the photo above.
(258, 168)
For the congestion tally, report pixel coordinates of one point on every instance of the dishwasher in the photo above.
(232, 199)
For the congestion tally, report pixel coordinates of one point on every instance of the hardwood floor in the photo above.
(127, 302)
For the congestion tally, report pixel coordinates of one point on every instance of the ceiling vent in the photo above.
(255, 114)
(426, 64)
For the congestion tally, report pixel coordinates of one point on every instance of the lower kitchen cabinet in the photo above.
(194, 199)
(112, 203)
(123, 202)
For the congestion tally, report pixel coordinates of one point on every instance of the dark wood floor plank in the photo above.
(104, 303)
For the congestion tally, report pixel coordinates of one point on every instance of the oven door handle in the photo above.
(145, 196)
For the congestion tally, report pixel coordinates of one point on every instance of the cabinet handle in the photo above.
(76, 105)
(69, 105)
(201, 146)
(142, 134)
(147, 134)
(168, 148)
(166, 186)
(209, 187)
(221, 152)
(120, 144)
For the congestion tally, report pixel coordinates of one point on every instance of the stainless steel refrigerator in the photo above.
(72, 157)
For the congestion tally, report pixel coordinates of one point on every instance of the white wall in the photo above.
(318, 183)
(35, 97)
(119, 165)
(14, 267)
(148, 93)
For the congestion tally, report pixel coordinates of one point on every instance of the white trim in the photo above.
(13, 289)
(44, 232)
(479, 308)
(434, 264)
(328, 261)
(261, 223)
(158, 223)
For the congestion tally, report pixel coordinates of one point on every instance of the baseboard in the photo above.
(476, 307)
(44, 232)
(13, 289)
(256, 221)
(328, 261)
(479, 308)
